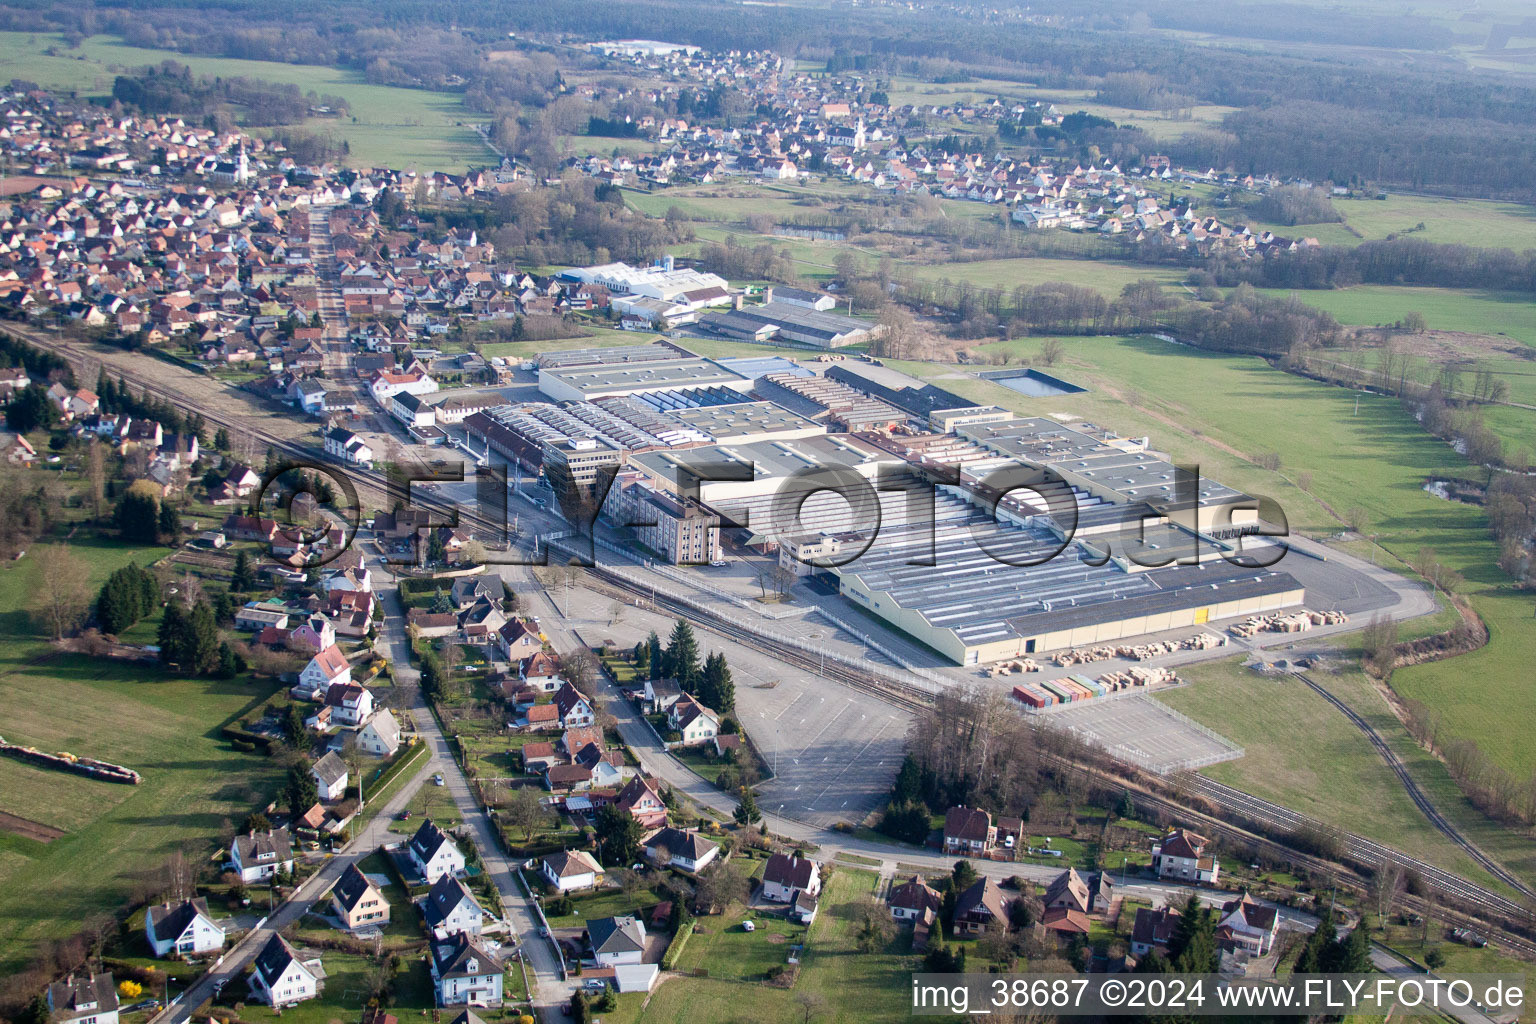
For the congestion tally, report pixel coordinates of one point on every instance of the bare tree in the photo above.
(63, 589)
(96, 475)
(525, 811)
(1050, 352)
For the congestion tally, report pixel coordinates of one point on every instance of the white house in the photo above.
(351, 703)
(380, 734)
(182, 929)
(784, 876)
(617, 940)
(386, 385)
(280, 978)
(330, 774)
(325, 668)
(1181, 855)
(348, 446)
(434, 852)
(575, 710)
(83, 999)
(449, 907)
(570, 870)
(686, 851)
(465, 974)
(260, 855)
(696, 723)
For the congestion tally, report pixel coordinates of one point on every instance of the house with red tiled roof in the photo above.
(1182, 855)
(968, 830)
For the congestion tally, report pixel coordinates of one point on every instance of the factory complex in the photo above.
(978, 533)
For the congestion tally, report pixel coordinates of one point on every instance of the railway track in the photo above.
(1420, 800)
(374, 484)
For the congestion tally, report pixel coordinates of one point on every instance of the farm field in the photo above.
(1105, 275)
(196, 788)
(1302, 753)
(387, 126)
(1452, 221)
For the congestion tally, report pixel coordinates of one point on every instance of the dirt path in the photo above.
(28, 829)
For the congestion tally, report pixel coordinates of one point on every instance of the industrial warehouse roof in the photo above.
(613, 356)
(772, 461)
(741, 421)
(640, 376)
(981, 587)
(1092, 455)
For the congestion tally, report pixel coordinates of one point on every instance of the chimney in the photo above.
(767, 295)
(736, 300)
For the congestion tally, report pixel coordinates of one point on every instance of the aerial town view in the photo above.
(818, 511)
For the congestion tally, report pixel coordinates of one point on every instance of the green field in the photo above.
(386, 126)
(195, 789)
(1302, 753)
(1509, 314)
(1452, 221)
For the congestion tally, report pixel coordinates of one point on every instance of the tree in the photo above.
(525, 812)
(30, 410)
(682, 657)
(746, 812)
(436, 552)
(581, 1013)
(96, 474)
(300, 790)
(138, 514)
(1050, 352)
(169, 522)
(1193, 949)
(655, 658)
(255, 822)
(293, 725)
(872, 925)
(63, 589)
(221, 440)
(241, 578)
(716, 690)
(618, 835)
(202, 640)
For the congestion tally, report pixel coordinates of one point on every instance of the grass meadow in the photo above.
(115, 836)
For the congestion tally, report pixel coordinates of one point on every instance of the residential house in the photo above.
(359, 903)
(696, 723)
(326, 669)
(1248, 926)
(543, 717)
(280, 978)
(434, 852)
(981, 905)
(330, 774)
(570, 870)
(575, 709)
(1068, 891)
(784, 876)
(660, 695)
(1181, 854)
(259, 856)
(467, 590)
(685, 850)
(642, 800)
(1065, 923)
(617, 940)
(803, 907)
(182, 929)
(449, 907)
(464, 973)
(969, 831)
(348, 447)
(83, 999)
(379, 734)
(350, 703)
(1153, 930)
(519, 640)
(912, 899)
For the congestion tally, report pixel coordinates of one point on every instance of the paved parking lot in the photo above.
(1144, 732)
(836, 749)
